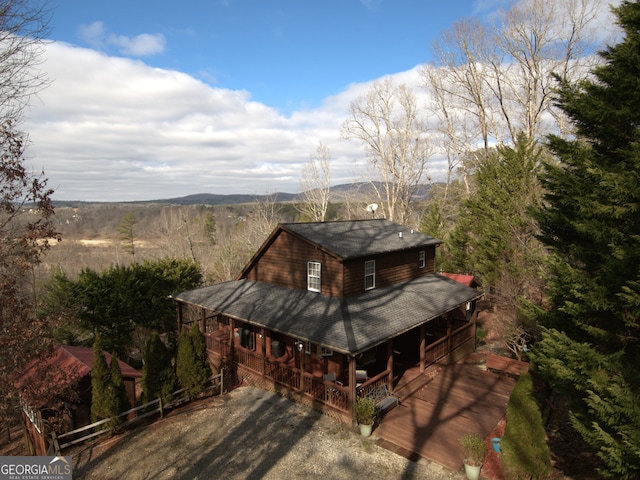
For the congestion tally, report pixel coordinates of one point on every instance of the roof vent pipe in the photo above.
(400, 234)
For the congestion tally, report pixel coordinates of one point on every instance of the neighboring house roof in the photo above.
(82, 358)
(360, 238)
(67, 365)
(468, 280)
(349, 325)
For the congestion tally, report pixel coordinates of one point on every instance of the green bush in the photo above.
(525, 453)
(474, 449)
(365, 411)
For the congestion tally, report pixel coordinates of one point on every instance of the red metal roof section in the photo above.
(467, 280)
(79, 361)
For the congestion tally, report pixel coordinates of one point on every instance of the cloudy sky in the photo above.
(156, 99)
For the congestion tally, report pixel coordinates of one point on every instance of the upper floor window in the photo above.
(369, 274)
(313, 276)
(421, 259)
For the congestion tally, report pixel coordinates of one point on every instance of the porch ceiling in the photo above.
(348, 325)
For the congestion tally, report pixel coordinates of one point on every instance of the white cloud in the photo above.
(93, 34)
(97, 36)
(140, 45)
(116, 129)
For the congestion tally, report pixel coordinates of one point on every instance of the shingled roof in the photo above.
(360, 238)
(349, 325)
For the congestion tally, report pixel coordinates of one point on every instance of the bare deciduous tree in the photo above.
(23, 26)
(498, 77)
(316, 185)
(26, 228)
(266, 216)
(385, 120)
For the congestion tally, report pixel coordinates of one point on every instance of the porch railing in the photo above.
(461, 335)
(327, 392)
(283, 374)
(440, 348)
(381, 379)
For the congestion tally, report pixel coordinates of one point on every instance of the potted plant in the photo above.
(474, 450)
(365, 412)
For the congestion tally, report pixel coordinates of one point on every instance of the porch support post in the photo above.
(264, 351)
(303, 361)
(352, 383)
(179, 307)
(232, 324)
(203, 318)
(449, 339)
(474, 318)
(423, 346)
(390, 363)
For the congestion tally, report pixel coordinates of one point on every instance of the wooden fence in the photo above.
(157, 406)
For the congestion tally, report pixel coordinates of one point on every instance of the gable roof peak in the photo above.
(360, 238)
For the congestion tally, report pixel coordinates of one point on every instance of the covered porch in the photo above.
(319, 376)
(327, 351)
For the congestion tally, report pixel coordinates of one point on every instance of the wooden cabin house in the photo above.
(325, 312)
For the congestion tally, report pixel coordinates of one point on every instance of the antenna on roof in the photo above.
(371, 208)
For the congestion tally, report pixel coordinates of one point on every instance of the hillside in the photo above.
(362, 191)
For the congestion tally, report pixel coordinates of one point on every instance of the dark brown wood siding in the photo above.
(391, 268)
(284, 263)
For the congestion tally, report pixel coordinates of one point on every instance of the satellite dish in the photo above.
(372, 207)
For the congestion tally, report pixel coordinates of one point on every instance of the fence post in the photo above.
(161, 407)
(53, 445)
(221, 380)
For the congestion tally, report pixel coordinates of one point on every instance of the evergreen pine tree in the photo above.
(120, 392)
(495, 237)
(101, 385)
(202, 369)
(185, 363)
(590, 348)
(158, 377)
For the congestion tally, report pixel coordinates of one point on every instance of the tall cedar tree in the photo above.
(185, 366)
(117, 383)
(189, 367)
(102, 398)
(496, 238)
(201, 360)
(158, 377)
(590, 348)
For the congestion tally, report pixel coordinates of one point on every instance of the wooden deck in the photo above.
(438, 410)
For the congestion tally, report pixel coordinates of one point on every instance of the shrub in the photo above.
(474, 449)
(365, 411)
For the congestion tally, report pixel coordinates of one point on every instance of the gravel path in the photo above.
(247, 434)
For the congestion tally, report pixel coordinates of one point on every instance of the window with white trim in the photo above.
(326, 352)
(421, 259)
(313, 276)
(369, 274)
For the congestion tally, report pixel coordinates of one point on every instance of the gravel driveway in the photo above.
(247, 434)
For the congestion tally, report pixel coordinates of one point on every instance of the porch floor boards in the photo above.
(429, 422)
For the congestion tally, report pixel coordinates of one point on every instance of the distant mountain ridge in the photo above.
(358, 191)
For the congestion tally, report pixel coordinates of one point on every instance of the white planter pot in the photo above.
(472, 472)
(365, 430)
